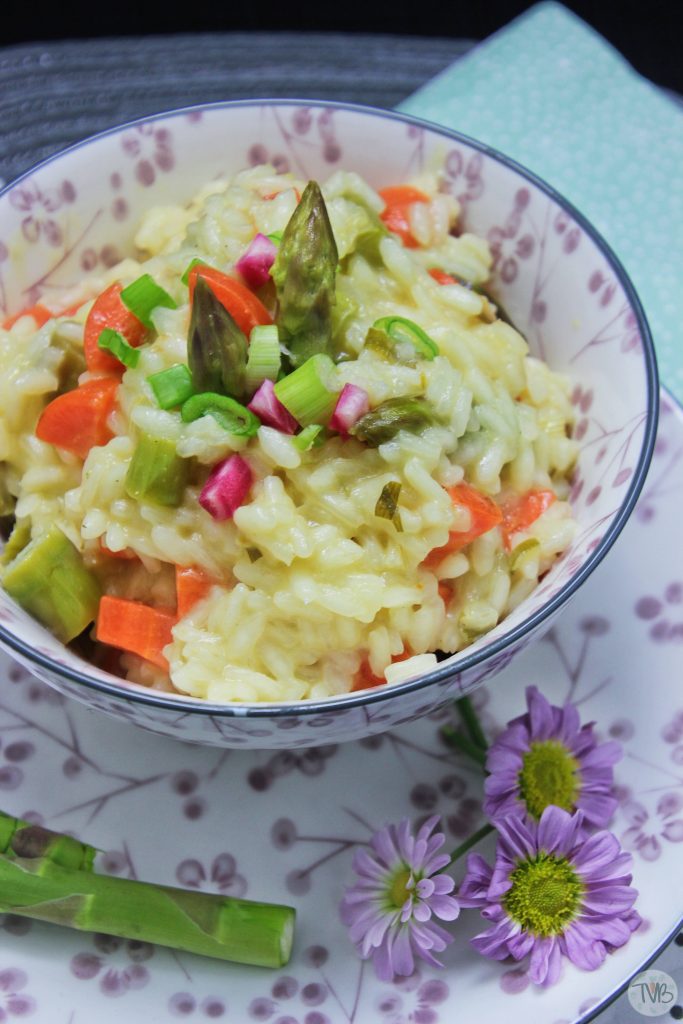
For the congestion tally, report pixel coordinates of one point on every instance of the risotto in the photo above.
(292, 450)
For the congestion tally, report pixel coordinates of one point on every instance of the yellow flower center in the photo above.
(398, 891)
(545, 895)
(549, 775)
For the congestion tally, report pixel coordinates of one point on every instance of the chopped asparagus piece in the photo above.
(156, 472)
(217, 926)
(20, 838)
(367, 242)
(387, 504)
(7, 500)
(67, 336)
(304, 275)
(48, 579)
(216, 347)
(383, 422)
(17, 541)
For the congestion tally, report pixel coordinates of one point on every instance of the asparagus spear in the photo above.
(216, 347)
(304, 275)
(19, 838)
(244, 931)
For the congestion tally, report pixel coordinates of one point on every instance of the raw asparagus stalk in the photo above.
(217, 926)
(20, 838)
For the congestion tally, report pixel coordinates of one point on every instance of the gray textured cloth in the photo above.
(52, 94)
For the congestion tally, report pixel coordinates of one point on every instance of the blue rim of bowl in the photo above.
(444, 670)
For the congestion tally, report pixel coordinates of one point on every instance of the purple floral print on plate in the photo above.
(132, 788)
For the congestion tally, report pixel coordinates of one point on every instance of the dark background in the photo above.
(649, 34)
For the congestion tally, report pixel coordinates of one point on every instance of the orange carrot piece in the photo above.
(77, 420)
(41, 314)
(109, 311)
(441, 277)
(274, 195)
(246, 309)
(519, 514)
(125, 554)
(191, 584)
(484, 513)
(398, 199)
(135, 627)
(365, 678)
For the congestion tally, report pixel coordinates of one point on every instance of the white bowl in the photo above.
(557, 279)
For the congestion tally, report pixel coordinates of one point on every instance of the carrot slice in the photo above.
(365, 678)
(441, 277)
(245, 308)
(109, 311)
(125, 554)
(41, 314)
(521, 513)
(398, 200)
(191, 584)
(77, 420)
(484, 514)
(135, 627)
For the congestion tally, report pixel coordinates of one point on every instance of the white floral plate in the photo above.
(282, 825)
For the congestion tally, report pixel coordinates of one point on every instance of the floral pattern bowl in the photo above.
(560, 284)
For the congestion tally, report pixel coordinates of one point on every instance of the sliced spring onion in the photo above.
(407, 337)
(524, 554)
(271, 411)
(226, 487)
(171, 387)
(352, 403)
(263, 358)
(114, 342)
(275, 236)
(255, 264)
(310, 437)
(190, 267)
(305, 393)
(143, 296)
(228, 413)
(387, 504)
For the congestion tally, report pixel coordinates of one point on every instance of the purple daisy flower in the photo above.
(389, 910)
(546, 757)
(552, 892)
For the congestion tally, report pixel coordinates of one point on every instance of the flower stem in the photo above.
(471, 722)
(463, 744)
(481, 833)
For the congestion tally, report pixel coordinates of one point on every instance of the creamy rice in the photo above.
(311, 584)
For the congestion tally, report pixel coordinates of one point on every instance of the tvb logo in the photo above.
(652, 993)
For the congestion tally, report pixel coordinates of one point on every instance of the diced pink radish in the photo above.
(255, 265)
(226, 487)
(271, 411)
(352, 403)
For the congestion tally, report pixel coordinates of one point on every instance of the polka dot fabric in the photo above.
(550, 92)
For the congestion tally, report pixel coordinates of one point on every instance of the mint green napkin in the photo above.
(550, 92)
